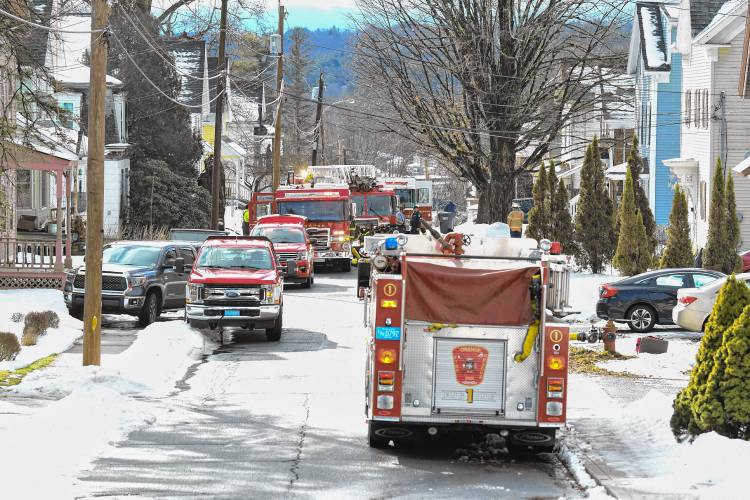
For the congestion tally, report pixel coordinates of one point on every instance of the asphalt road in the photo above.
(285, 420)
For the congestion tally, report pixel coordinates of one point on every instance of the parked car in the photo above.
(294, 249)
(645, 300)
(694, 305)
(745, 261)
(236, 283)
(195, 237)
(140, 278)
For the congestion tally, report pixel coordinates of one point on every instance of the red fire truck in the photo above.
(328, 211)
(411, 193)
(459, 339)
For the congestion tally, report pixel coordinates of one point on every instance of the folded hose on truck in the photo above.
(528, 343)
(435, 327)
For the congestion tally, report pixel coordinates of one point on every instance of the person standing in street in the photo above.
(414, 222)
(515, 221)
(245, 222)
(401, 219)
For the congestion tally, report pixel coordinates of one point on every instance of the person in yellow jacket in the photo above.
(515, 221)
(246, 222)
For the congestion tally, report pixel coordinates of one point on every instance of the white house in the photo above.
(714, 117)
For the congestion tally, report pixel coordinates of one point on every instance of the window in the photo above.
(128, 255)
(706, 112)
(688, 107)
(424, 196)
(315, 210)
(672, 280)
(280, 234)
(23, 188)
(696, 108)
(236, 258)
(379, 206)
(700, 280)
(170, 255)
(359, 200)
(702, 195)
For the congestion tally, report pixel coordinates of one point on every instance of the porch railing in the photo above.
(27, 254)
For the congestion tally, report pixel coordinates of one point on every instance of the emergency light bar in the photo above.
(311, 195)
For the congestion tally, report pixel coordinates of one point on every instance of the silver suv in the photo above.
(140, 278)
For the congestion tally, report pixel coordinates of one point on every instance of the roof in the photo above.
(190, 59)
(652, 37)
(33, 50)
(79, 76)
(295, 220)
(240, 241)
(213, 70)
(702, 12)
(619, 172)
(155, 243)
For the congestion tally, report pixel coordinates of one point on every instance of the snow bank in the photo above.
(676, 363)
(496, 230)
(711, 467)
(160, 355)
(46, 450)
(233, 219)
(584, 294)
(55, 341)
(575, 466)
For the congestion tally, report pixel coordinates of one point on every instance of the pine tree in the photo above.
(633, 255)
(733, 262)
(561, 222)
(714, 256)
(695, 408)
(678, 252)
(300, 116)
(593, 227)
(551, 191)
(538, 215)
(635, 167)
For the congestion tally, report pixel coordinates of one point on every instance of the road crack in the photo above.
(302, 433)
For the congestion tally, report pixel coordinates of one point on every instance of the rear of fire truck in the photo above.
(459, 339)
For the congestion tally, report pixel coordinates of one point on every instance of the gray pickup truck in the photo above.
(140, 278)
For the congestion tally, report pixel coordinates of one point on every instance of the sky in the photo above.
(315, 14)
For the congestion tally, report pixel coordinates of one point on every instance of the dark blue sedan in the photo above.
(647, 299)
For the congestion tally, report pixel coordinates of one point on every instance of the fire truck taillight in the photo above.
(385, 402)
(387, 356)
(555, 388)
(555, 363)
(554, 408)
(389, 304)
(386, 381)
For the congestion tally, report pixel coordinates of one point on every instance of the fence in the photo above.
(27, 254)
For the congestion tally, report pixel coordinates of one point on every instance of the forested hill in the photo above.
(330, 50)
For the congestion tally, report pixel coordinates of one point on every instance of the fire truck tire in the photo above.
(364, 269)
(534, 441)
(345, 265)
(273, 334)
(374, 440)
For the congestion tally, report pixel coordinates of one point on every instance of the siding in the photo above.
(667, 145)
(696, 142)
(738, 129)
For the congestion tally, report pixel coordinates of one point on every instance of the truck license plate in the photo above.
(231, 313)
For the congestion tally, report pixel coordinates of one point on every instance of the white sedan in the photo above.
(694, 305)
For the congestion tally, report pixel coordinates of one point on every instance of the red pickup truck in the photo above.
(236, 282)
(294, 249)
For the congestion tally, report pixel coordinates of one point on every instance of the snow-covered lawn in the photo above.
(99, 406)
(584, 294)
(676, 363)
(711, 467)
(55, 341)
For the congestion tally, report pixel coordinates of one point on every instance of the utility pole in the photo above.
(318, 121)
(92, 305)
(218, 125)
(279, 84)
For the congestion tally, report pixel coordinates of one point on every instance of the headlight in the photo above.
(137, 280)
(302, 255)
(271, 294)
(194, 293)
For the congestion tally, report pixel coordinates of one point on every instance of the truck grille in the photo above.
(281, 257)
(110, 282)
(232, 296)
(320, 237)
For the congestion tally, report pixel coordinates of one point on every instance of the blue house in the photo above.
(656, 67)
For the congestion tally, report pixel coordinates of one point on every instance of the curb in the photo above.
(573, 457)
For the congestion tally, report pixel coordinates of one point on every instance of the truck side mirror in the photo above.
(179, 265)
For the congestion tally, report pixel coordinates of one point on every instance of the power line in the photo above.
(48, 28)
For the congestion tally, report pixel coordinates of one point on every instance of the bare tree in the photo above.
(478, 81)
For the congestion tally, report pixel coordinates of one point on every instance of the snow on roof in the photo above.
(731, 11)
(652, 37)
(79, 76)
(743, 167)
(68, 67)
(190, 59)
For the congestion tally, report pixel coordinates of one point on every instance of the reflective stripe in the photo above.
(515, 220)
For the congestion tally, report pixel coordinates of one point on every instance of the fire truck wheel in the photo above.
(374, 440)
(532, 441)
(273, 334)
(345, 265)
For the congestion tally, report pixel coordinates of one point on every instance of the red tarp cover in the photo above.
(443, 294)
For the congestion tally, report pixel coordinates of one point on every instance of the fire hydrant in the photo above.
(609, 334)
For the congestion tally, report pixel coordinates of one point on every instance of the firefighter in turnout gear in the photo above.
(245, 222)
(515, 221)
